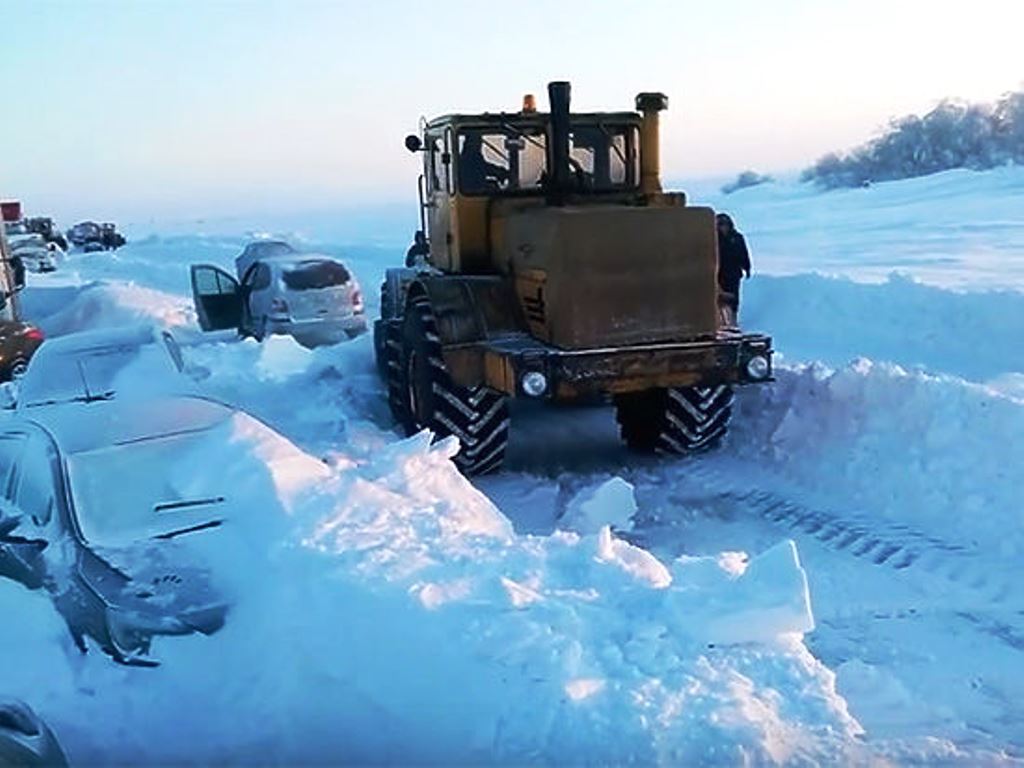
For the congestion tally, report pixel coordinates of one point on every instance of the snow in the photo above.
(586, 606)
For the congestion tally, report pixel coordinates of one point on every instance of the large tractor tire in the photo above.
(393, 370)
(380, 353)
(477, 416)
(676, 421)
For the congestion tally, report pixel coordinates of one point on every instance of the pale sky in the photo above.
(193, 107)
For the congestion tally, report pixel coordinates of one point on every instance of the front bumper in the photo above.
(723, 359)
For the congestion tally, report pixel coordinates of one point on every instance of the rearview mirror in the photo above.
(413, 143)
(8, 396)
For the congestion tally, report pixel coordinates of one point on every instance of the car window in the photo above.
(35, 494)
(262, 278)
(311, 275)
(11, 447)
(211, 281)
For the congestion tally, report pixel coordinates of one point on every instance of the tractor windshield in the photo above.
(509, 158)
(500, 159)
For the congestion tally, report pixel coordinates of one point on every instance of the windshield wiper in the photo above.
(168, 506)
(520, 134)
(189, 529)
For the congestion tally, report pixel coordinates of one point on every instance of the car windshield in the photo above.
(153, 488)
(312, 275)
(99, 373)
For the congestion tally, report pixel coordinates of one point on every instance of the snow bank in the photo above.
(63, 309)
(388, 613)
(954, 229)
(976, 335)
(934, 452)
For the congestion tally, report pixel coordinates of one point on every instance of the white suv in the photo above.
(278, 289)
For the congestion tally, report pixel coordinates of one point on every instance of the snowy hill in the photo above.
(836, 585)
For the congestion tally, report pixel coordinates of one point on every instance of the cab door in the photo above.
(217, 298)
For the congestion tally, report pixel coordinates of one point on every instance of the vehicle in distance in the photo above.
(35, 253)
(95, 506)
(279, 289)
(552, 266)
(90, 236)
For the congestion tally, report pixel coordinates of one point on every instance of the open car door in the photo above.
(217, 298)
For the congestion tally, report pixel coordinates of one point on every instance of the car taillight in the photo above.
(357, 300)
(34, 334)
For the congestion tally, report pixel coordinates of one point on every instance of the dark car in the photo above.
(18, 342)
(100, 505)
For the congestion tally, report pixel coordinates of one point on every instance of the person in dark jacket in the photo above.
(418, 251)
(477, 175)
(733, 259)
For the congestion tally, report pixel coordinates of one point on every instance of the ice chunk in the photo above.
(609, 504)
(639, 563)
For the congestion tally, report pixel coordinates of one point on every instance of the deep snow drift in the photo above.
(593, 607)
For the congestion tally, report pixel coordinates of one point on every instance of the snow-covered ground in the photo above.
(839, 583)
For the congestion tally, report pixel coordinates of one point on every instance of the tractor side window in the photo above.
(435, 164)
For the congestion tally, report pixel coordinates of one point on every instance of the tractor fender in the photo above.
(468, 311)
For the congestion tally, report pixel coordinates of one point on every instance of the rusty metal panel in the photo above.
(471, 308)
(618, 274)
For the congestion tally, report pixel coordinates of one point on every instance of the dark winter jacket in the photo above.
(733, 261)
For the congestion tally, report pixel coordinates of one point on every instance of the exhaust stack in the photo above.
(558, 141)
(649, 105)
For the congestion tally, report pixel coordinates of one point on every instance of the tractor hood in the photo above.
(600, 275)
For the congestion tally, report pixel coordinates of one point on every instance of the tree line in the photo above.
(952, 135)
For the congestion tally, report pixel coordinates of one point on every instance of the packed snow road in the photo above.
(595, 606)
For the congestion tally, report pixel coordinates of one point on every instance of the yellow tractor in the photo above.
(551, 265)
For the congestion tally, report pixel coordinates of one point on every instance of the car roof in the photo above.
(245, 260)
(79, 427)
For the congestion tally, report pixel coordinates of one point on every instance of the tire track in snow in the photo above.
(881, 543)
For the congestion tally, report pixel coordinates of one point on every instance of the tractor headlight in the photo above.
(534, 383)
(758, 367)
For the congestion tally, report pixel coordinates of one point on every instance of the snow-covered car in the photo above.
(93, 516)
(280, 290)
(25, 740)
(35, 253)
(92, 510)
(133, 361)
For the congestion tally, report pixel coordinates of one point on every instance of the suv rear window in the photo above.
(310, 275)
